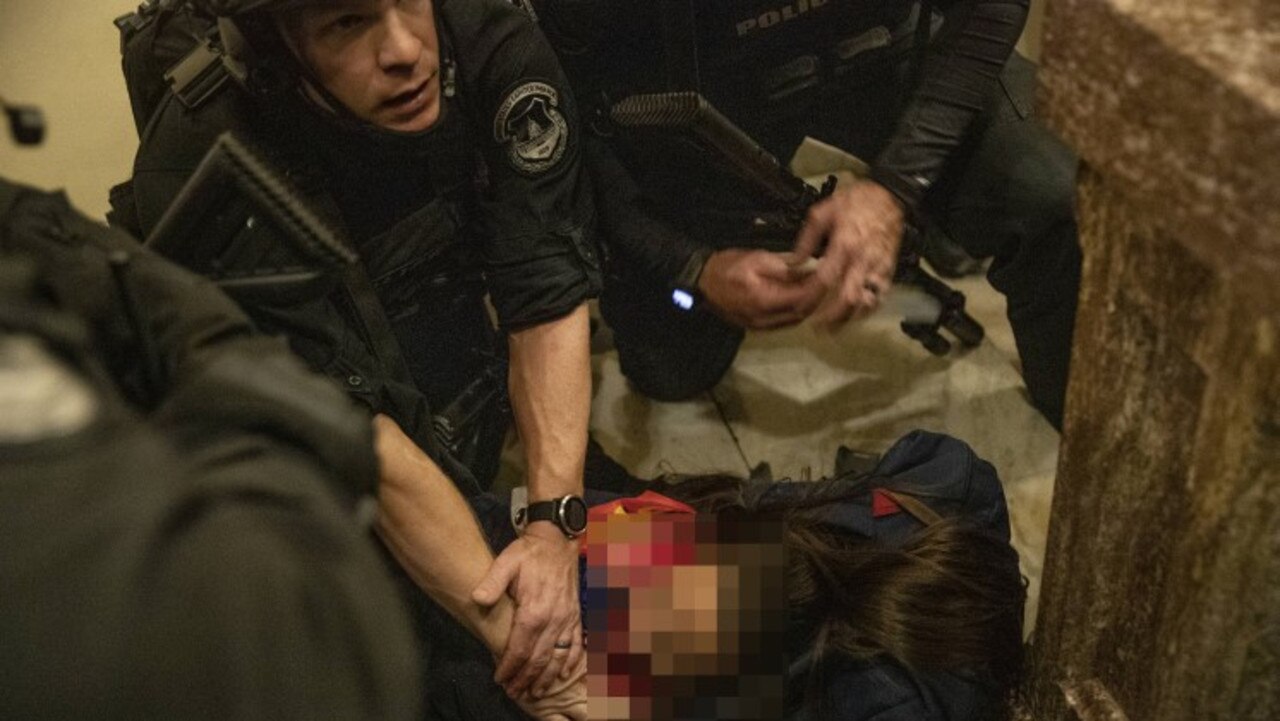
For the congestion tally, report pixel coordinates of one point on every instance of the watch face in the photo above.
(575, 514)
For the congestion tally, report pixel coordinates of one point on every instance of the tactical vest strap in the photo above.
(373, 319)
(198, 76)
(914, 506)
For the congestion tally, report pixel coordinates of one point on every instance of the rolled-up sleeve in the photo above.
(537, 217)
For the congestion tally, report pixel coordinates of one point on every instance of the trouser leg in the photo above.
(1043, 315)
(1011, 197)
(668, 354)
(1008, 194)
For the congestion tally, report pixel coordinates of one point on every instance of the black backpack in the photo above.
(157, 41)
(153, 40)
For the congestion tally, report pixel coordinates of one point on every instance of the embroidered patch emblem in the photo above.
(529, 123)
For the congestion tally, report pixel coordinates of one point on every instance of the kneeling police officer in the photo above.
(443, 138)
(934, 100)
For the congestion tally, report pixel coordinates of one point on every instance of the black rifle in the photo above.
(693, 115)
(240, 223)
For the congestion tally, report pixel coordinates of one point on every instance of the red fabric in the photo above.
(882, 505)
(647, 501)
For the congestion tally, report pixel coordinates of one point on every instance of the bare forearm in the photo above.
(551, 394)
(430, 529)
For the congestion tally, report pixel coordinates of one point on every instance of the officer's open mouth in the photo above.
(409, 97)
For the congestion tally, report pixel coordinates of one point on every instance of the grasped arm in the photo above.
(430, 529)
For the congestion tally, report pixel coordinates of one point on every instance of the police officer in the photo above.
(442, 136)
(177, 500)
(933, 100)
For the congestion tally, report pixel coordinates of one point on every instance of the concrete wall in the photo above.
(63, 55)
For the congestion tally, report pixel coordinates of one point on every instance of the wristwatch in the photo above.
(567, 512)
(684, 287)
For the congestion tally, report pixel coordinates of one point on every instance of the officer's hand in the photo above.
(862, 225)
(540, 570)
(759, 290)
(566, 700)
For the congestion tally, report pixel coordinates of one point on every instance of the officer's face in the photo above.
(380, 58)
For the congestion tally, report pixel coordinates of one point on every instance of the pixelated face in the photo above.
(379, 58)
(685, 618)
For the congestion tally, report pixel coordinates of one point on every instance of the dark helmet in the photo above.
(253, 50)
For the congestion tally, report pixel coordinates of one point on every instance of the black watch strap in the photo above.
(684, 287)
(687, 278)
(569, 513)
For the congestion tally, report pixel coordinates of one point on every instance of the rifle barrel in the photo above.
(691, 112)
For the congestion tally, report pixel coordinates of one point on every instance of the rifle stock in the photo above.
(241, 223)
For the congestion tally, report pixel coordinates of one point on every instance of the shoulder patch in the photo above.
(532, 128)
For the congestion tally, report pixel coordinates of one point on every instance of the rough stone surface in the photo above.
(1162, 574)
(1176, 102)
(1091, 701)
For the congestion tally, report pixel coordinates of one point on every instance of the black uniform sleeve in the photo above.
(961, 68)
(537, 218)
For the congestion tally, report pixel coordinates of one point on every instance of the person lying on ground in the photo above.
(904, 597)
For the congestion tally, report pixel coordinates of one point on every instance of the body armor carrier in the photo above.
(405, 332)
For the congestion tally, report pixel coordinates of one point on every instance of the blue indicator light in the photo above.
(682, 298)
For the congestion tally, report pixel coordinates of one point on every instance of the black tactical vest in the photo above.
(406, 333)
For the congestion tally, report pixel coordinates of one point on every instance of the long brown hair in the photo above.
(949, 598)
